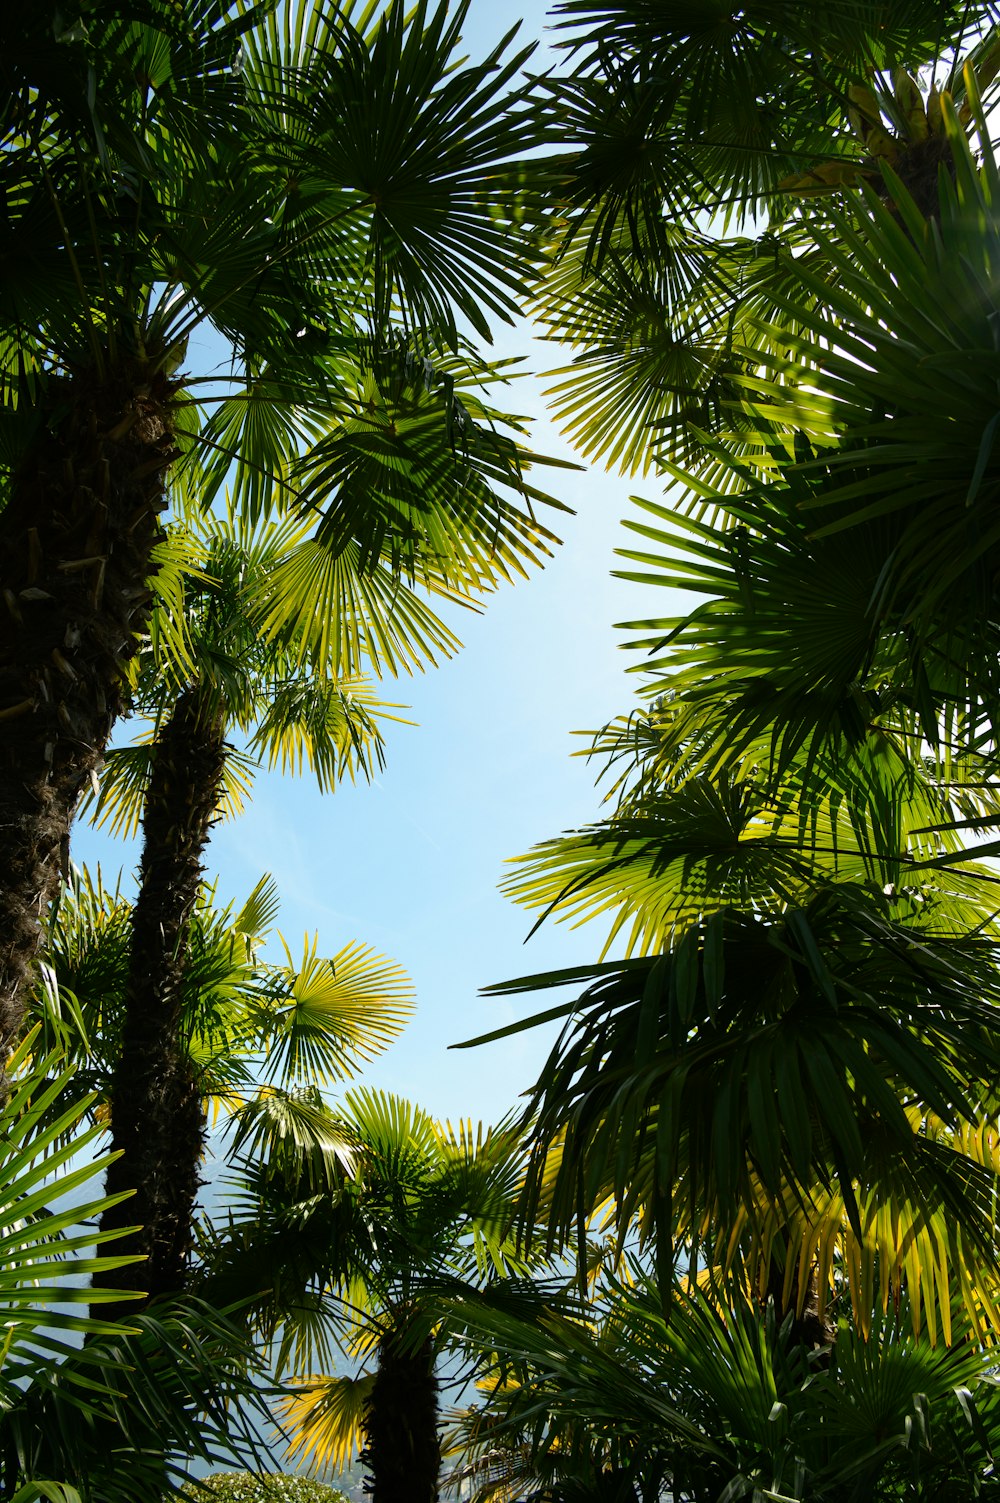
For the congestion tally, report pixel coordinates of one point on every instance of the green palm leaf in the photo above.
(330, 1017)
(770, 1054)
(320, 1019)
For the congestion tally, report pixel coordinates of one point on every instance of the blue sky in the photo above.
(410, 864)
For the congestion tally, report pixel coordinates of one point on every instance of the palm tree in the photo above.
(244, 1026)
(229, 677)
(310, 188)
(376, 1250)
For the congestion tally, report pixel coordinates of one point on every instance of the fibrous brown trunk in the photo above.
(402, 1453)
(156, 1111)
(806, 1328)
(75, 546)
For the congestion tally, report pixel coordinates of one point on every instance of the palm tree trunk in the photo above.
(75, 546)
(156, 1111)
(402, 1445)
(806, 1328)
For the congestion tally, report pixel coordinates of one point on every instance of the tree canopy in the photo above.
(761, 1163)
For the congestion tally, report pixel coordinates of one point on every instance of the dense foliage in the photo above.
(778, 1090)
(304, 186)
(251, 1487)
(760, 1168)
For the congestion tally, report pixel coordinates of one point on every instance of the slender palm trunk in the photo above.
(806, 1327)
(75, 549)
(402, 1445)
(156, 1112)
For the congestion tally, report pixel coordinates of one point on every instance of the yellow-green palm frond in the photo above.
(657, 347)
(490, 1165)
(177, 564)
(324, 1417)
(684, 845)
(425, 476)
(906, 1253)
(325, 611)
(401, 1139)
(785, 1049)
(49, 1214)
(311, 1335)
(846, 582)
(257, 913)
(306, 1022)
(331, 726)
(326, 1018)
(701, 849)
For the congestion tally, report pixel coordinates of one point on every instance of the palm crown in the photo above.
(370, 1224)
